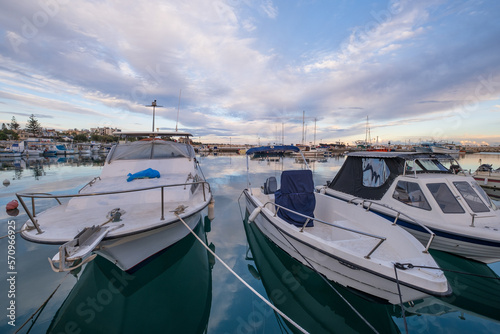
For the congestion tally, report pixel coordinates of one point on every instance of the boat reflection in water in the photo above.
(306, 298)
(172, 293)
(476, 292)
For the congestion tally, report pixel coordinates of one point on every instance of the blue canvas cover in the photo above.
(143, 174)
(297, 194)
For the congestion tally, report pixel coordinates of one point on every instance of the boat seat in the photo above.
(297, 194)
(270, 186)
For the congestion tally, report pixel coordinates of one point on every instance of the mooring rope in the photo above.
(400, 297)
(20, 231)
(322, 277)
(241, 279)
(40, 309)
(410, 265)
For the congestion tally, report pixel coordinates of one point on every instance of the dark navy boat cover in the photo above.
(297, 194)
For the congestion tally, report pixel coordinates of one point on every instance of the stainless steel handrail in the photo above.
(381, 239)
(399, 213)
(34, 196)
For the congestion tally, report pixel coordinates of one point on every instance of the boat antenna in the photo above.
(154, 105)
(178, 107)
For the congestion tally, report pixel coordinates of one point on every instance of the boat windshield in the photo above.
(471, 197)
(426, 165)
(155, 149)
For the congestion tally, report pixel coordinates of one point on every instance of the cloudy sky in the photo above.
(247, 71)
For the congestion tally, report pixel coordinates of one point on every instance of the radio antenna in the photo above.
(178, 107)
(154, 105)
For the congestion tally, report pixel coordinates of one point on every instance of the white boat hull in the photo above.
(129, 252)
(366, 275)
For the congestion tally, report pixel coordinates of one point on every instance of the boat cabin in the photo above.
(419, 177)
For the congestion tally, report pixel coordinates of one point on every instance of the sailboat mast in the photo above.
(178, 107)
(303, 124)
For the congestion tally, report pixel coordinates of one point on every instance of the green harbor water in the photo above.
(185, 290)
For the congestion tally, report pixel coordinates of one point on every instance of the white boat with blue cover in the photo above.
(131, 211)
(421, 192)
(341, 241)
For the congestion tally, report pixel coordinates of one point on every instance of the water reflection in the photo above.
(476, 290)
(170, 294)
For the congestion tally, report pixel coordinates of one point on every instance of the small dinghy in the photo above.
(342, 241)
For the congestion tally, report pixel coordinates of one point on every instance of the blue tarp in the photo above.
(143, 174)
(297, 194)
(269, 149)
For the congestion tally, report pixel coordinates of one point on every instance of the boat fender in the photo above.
(254, 214)
(211, 209)
(485, 181)
(6, 182)
(11, 205)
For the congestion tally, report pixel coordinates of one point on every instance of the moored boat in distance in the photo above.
(341, 241)
(489, 179)
(421, 192)
(445, 148)
(132, 210)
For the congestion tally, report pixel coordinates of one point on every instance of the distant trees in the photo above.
(33, 126)
(81, 138)
(13, 124)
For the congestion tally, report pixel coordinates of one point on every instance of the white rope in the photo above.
(241, 279)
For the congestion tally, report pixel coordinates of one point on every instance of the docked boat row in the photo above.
(369, 229)
(48, 148)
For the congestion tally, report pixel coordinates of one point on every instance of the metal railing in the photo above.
(362, 202)
(32, 214)
(308, 219)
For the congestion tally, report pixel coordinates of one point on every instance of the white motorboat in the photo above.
(131, 211)
(445, 148)
(344, 242)
(489, 179)
(421, 192)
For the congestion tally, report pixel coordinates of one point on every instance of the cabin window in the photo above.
(411, 194)
(471, 197)
(445, 198)
(375, 172)
(483, 194)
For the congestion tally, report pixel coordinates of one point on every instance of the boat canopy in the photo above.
(153, 149)
(370, 174)
(270, 149)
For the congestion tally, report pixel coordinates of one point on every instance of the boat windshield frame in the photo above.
(431, 165)
(150, 149)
